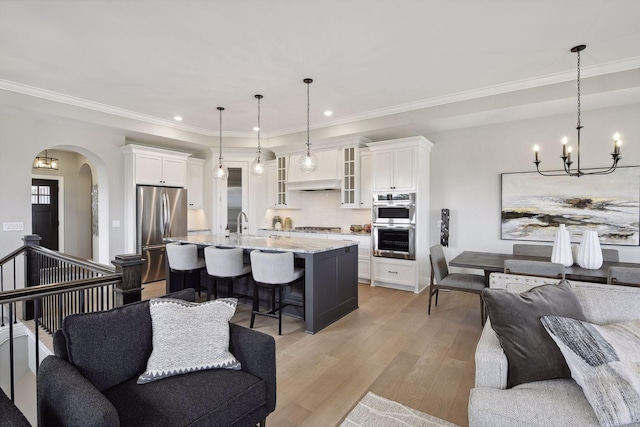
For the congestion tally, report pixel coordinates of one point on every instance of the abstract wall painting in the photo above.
(534, 205)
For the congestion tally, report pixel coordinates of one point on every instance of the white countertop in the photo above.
(273, 243)
(342, 232)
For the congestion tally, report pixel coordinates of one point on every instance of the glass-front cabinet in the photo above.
(281, 181)
(277, 194)
(350, 197)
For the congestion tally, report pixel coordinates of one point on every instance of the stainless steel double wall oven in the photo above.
(394, 225)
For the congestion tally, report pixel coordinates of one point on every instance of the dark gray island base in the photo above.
(330, 281)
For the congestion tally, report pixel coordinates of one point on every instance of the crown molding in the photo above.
(586, 72)
(612, 67)
(108, 109)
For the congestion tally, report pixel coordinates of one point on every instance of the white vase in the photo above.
(561, 253)
(590, 254)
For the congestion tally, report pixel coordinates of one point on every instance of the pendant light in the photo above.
(46, 162)
(221, 172)
(257, 166)
(308, 162)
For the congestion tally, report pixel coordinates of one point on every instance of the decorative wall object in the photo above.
(444, 228)
(94, 210)
(589, 253)
(562, 247)
(534, 206)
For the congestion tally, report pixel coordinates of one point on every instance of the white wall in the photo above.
(466, 165)
(21, 139)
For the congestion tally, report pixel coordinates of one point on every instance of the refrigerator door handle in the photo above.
(166, 215)
(153, 247)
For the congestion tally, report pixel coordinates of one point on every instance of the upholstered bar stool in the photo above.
(224, 264)
(184, 259)
(274, 271)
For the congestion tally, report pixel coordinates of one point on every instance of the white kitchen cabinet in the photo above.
(350, 160)
(364, 256)
(145, 165)
(402, 166)
(160, 169)
(272, 184)
(395, 169)
(195, 183)
(281, 180)
(278, 196)
(366, 192)
(364, 252)
(199, 232)
(396, 273)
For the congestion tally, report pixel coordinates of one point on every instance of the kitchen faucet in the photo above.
(238, 221)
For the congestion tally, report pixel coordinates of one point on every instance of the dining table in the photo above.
(492, 262)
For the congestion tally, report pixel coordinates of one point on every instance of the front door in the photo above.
(44, 211)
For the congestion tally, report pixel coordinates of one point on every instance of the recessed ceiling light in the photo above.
(328, 113)
(177, 118)
(256, 128)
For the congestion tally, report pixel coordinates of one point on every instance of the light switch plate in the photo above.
(13, 226)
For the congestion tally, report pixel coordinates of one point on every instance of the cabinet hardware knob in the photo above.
(393, 272)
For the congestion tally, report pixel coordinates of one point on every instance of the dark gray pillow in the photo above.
(531, 352)
(110, 347)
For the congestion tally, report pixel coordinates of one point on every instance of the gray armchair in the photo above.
(91, 380)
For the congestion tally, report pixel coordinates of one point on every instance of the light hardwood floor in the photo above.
(388, 346)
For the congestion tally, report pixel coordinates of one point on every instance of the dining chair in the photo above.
(184, 259)
(624, 276)
(274, 271)
(465, 282)
(224, 264)
(534, 268)
(526, 249)
(610, 255)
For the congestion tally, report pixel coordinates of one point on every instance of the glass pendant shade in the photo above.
(221, 172)
(308, 162)
(257, 167)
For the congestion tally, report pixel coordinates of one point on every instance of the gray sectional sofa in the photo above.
(558, 402)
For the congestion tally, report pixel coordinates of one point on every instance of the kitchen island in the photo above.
(331, 272)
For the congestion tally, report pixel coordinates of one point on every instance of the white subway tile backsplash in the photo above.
(320, 209)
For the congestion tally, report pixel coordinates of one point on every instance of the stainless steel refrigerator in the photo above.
(161, 212)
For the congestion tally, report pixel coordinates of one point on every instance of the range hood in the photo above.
(325, 177)
(314, 185)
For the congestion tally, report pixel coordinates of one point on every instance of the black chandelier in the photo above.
(566, 151)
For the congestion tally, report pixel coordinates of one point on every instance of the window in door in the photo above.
(44, 211)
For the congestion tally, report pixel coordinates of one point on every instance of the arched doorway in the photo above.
(78, 209)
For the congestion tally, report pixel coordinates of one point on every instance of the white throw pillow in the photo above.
(605, 361)
(189, 337)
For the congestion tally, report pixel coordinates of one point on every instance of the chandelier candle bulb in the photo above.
(535, 150)
(564, 146)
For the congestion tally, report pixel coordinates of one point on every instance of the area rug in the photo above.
(376, 411)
